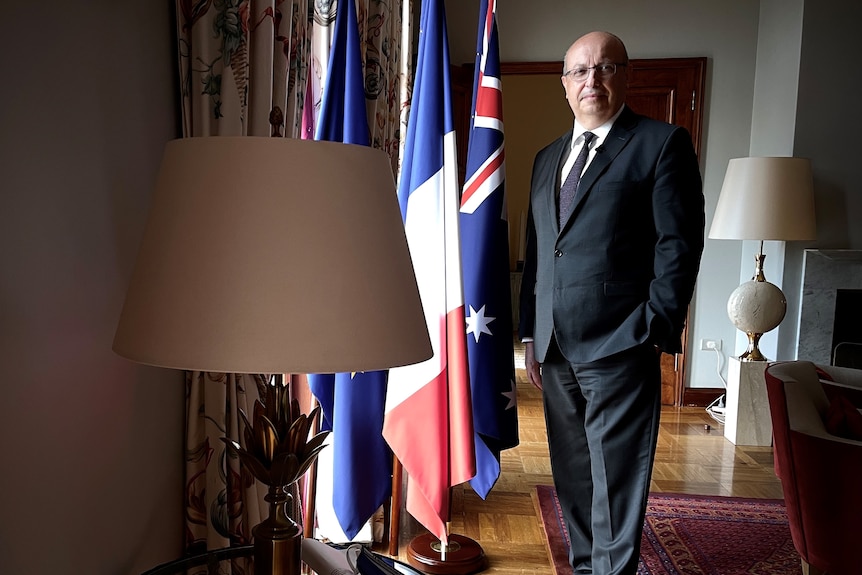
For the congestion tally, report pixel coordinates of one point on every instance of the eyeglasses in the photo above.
(602, 71)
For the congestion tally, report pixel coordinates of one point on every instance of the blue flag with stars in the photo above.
(352, 403)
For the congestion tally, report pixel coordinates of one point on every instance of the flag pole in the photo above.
(395, 506)
(308, 514)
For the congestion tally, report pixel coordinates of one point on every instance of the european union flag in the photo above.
(352, 404)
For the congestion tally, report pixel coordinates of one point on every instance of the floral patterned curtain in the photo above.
(386, 60)
(245, 69)
(243, 66)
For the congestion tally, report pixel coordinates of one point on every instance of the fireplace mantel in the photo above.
(825, 272)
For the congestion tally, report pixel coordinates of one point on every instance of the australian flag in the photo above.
(485, 259)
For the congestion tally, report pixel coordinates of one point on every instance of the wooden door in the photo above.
(535, 112)
(670, 89)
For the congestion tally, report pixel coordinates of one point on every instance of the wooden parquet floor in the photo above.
(692, 457)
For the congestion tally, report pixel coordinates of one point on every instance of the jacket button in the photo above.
(558, 253)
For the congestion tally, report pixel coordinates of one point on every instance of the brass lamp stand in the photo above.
(277, 539)
(278, 452)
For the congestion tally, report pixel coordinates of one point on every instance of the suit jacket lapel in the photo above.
(618, 137)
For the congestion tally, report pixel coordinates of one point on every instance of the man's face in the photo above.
(595, 99)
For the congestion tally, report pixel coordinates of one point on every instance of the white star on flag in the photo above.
(477, 323)
(512, 395)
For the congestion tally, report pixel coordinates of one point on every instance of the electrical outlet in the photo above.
(710, 344)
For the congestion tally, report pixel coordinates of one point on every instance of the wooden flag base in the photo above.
(463, 557)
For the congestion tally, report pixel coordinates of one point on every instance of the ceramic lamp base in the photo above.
(755, 308)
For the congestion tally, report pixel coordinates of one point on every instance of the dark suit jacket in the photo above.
(622, 269)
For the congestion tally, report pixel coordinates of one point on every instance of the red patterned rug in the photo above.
(694, 535)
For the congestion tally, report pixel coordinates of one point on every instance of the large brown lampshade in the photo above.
(273, 255)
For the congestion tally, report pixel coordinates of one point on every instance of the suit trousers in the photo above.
(602, 419)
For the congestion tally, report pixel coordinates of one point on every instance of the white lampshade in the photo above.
(765, 199)
(273, 255)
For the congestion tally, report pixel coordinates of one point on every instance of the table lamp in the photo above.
(763, 198)
(273, 256)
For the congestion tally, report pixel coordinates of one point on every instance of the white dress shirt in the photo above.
(578, 141)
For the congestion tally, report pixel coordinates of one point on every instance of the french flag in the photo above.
(485, 253)
(429, 419)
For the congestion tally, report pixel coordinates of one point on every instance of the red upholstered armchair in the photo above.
(820, 472)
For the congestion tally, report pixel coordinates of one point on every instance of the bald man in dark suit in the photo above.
(614, 242)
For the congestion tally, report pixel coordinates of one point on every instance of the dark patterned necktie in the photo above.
(570, 186)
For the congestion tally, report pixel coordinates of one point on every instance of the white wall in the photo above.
(726, 33)
(92, 474)
(827, 131)
(772, 132)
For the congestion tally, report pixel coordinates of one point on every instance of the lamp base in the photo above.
(463, 557)
(753, 353)
(278, 539)
(756, 307)
(278, 555)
